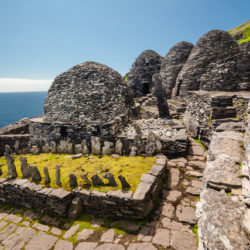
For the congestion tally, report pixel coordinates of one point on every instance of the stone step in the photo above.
(223, 112)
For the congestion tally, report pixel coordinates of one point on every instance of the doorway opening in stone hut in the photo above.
(145, 88)
(178, 88)
(63, 132)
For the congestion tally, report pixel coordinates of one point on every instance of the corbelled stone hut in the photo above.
(86, 107)
(172, 65)
(215, 53)
(140, 76)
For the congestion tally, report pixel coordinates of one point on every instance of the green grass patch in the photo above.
(195, 232)
(130, 167)
(202, 145)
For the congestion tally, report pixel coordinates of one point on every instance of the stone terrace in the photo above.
(169, 227)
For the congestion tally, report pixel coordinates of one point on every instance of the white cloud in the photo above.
(23, 85)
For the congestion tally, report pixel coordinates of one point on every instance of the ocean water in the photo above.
(15, 106)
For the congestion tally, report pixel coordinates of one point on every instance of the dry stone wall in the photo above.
(116, 204)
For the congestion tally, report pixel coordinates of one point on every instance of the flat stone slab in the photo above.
(186, 214)
(197, 164)
(173, 179)
(85, 234)
(141, 246)
(220, 221)
(173, 225)
(3, 224)
(41, 227)
(162, 237)
(196, 150)
(56, 231)
(63, 245)
(195, 174)
(183, 240)
(168, 210)
(129, 225)
(109, 246)
(17, 240)
(194, 191)
(13, 218)
(69, 233)
(173, 195)
(108, 236)
(41, 241)
(7, 231)
(86, 246)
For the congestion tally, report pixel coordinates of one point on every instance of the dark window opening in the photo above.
(63, 131)
(145, 88)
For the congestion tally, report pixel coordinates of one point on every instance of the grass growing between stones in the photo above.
(130, 167)
(195, 232)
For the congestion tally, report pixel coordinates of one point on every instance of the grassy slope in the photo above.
(131, 167)
(241, 33)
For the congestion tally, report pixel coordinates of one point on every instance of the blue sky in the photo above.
(42, 38)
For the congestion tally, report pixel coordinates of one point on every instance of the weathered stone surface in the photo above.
(183, 240)
(73, 157)
(186, 214)
(6, 231)
(97, 181)
(85, 234)
(46, 176)
(168, 210)
(219, 223)
(13, 218)
(174, 225)
(213, 54)
(194, 191)
(129, 225)
(24, 167)
(107, 148)
(35, 174)
(110, 177)
(86, 180)
(58, 176)
(108, 236)
(142, 190)
(86, 246)
(173, 179)
(140, 77)
(10, 162)
(69, 233)
(41, 241)
(63, 245)
(124, 182)
(172, 64)
(162, 237)
(96, 145)
(148, 178)
(75, 208)
(73, 181)
(73, 94)
(173, 195)
(56, 231)
(141, 246)
(41, 227)
(109, 246)
(17, 240)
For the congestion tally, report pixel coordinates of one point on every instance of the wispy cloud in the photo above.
(23, 85)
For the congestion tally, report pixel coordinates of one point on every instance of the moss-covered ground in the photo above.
(130, 167)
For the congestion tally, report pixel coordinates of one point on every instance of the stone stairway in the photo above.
(177, 107)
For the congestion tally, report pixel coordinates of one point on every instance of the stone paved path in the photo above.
(171, 226)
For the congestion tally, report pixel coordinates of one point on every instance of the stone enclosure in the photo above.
(199, 91)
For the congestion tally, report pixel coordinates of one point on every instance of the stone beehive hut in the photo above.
(140, 76)
(172, 64)
(215, 52)
(87, 93)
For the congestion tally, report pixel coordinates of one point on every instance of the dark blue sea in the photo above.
(15, 106)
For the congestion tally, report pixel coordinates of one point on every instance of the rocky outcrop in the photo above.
(214, 53)
(140, 77)
(172, 65)
(88, 92)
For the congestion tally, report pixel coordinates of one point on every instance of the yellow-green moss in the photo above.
(130, 167)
